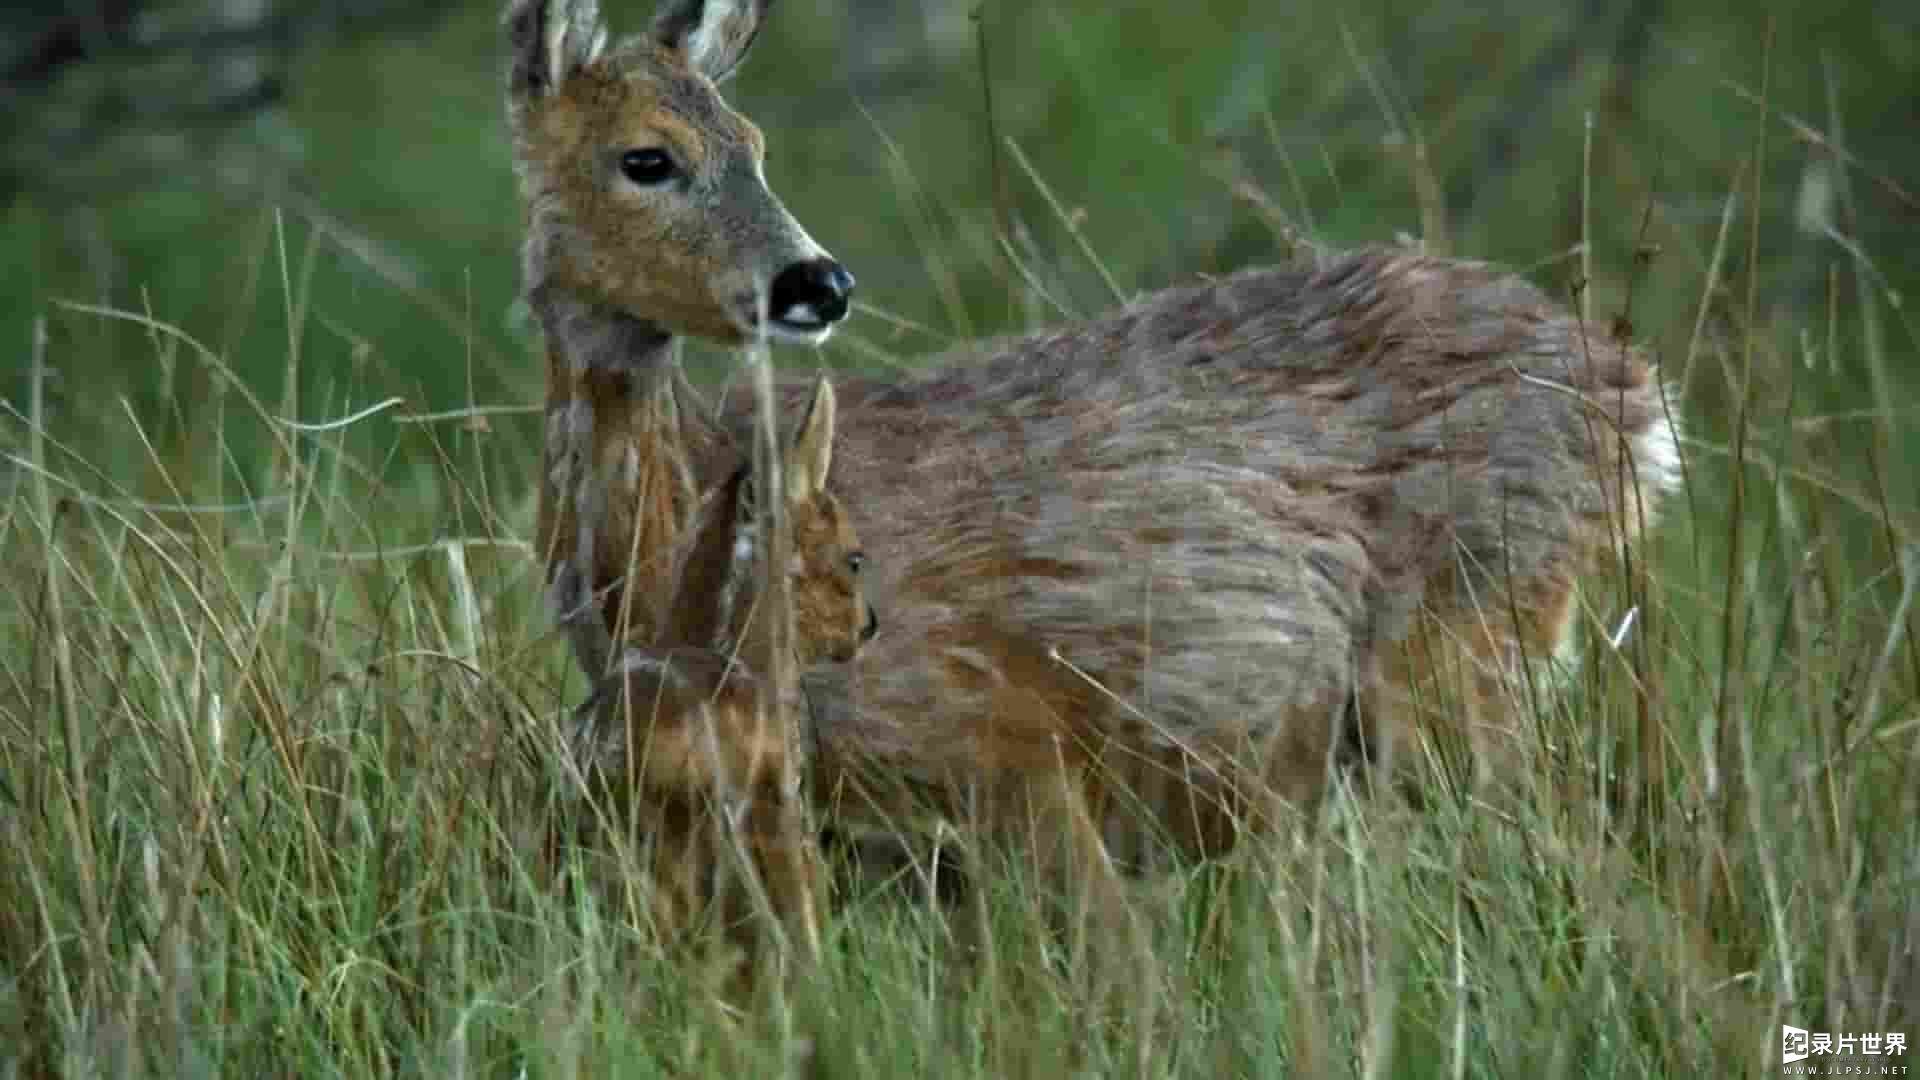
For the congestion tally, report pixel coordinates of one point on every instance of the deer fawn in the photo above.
(1149, 579)
(683, 743)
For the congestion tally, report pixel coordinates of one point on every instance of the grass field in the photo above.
(277, 707)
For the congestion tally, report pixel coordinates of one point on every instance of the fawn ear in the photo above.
(547, 42)
(812, 453)
(714, 35)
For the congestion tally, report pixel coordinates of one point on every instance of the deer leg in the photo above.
(573, 605)
(1107, 948)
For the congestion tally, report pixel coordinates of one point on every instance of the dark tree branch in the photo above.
(77, 81)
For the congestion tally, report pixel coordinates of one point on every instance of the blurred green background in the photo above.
(354, 180)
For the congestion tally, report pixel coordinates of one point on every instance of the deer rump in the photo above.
(1198, 533)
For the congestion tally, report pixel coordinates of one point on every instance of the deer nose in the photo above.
(811, 294)
(872, 628)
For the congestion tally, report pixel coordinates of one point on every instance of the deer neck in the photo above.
(625, 456)
(753, 636)
(596, 340)
(720, 600)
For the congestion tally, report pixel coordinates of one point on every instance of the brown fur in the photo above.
(685, 745)
(609, 266)
(1199, 536)
(1151, 578)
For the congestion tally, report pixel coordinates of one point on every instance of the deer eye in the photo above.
(647, 167)
(856, 560)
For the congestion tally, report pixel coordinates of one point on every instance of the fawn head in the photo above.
(644, 189)
(722, 571)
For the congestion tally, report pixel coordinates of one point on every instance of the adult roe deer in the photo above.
(647, 216)
(684, 744)
(1148, 578)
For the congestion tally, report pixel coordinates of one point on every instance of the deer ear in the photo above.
(714, 35)
(547, 42)
(812, 453)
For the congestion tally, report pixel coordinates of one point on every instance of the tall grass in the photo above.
(278, 749)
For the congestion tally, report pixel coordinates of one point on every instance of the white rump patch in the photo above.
(1657, 457)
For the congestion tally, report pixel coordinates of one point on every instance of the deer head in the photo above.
(645, 190)
(718, 602)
